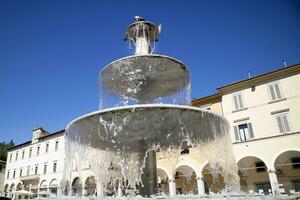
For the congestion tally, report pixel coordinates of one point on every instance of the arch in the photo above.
(272, 162)
(163, 181)
(185, 179)
(76, 186)
(12, 187)
(19, 186)
(287, 167)
(43, 184)
(165, 171)
(253, 173)
(5, 190)
(90, 186)
(213, 180)
(53, 186)
(192, 164)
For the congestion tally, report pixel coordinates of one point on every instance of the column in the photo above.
(100, 190)
(172, 187)
(84, 191)
(273, 181)
(120, 193)
(200, 186)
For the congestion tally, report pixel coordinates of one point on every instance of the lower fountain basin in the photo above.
(131, 127)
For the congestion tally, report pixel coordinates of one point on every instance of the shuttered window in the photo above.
(275, 92)
(243, 132)
(283, 124)
(238, 101)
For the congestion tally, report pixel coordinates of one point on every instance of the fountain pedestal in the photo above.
(148, 185)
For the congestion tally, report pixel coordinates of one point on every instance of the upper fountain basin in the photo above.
(130, 127)
(144, 78)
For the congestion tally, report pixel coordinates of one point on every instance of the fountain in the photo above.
(144, 108)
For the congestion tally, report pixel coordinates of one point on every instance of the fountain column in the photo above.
(149, 174)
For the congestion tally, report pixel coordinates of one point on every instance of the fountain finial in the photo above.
(142, 33)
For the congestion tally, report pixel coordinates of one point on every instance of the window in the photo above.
(47, 148)
(28, 170)
(282, 122)
(30, 152)
(10, 158)
(21, 172)
(38, 150)
(17, 155)
(54, 166)
(238, 101)
(243, 132)
(7, 176)
(36, 169)
(14, 174)
(56, 145)
(275, 92)
(45, 168)
(296, 163)
(260, 166)
(23, 154)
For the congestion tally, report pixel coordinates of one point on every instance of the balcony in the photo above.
(30, 177)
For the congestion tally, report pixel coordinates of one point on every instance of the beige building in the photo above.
(264, 116)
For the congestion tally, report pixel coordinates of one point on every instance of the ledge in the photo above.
(278, 100)
(240, 110)
(263, 138)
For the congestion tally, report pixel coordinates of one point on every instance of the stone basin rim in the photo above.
(137, 56)
(184, 107)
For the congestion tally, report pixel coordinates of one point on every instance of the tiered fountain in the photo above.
(144, 107)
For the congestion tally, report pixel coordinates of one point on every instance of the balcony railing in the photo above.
(30, 177)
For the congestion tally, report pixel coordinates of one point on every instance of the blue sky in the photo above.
(51, 51)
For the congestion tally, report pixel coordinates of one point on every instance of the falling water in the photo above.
(144, 107)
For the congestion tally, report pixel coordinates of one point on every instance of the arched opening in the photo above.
(43, 189)
(213, 180)
(77, 187)
(90, 186)
(12, 188)
(163, 182)
(53, 186)
(254, 176)
(5, 190)
(185, 180)
(19, 187)
(287, 167)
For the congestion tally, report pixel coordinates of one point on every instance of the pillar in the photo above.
(200, 186)
(120, 193)
(84, 191)
(100, 190)
(273, 181)
(172, 187)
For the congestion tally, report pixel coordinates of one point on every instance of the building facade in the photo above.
(264, 116)
(37, 165)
